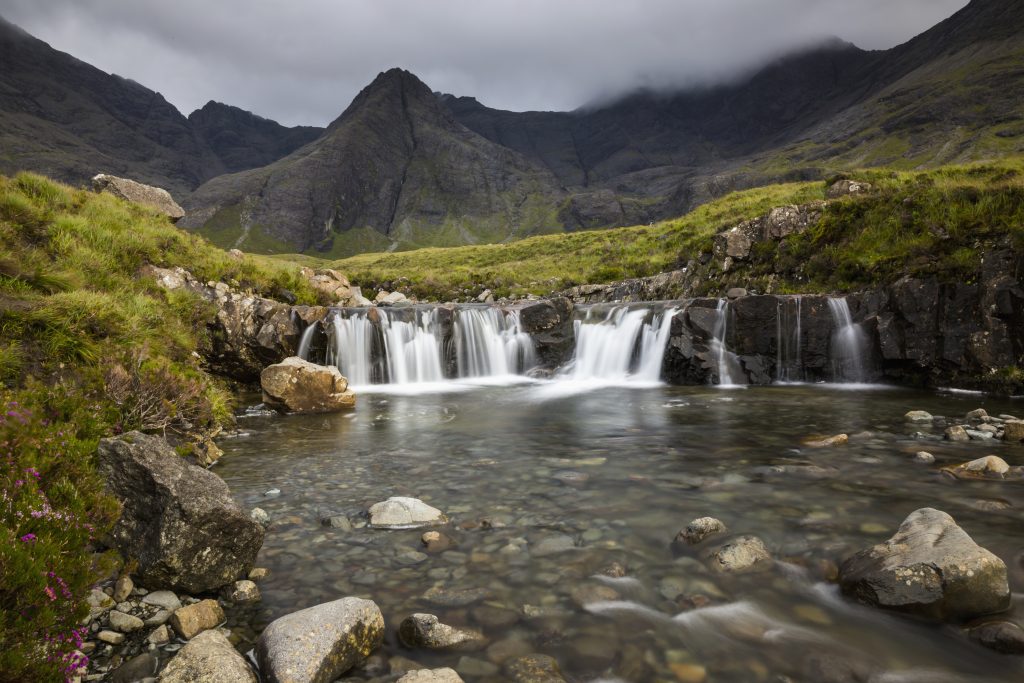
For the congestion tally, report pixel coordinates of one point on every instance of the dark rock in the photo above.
(179, 521)
(1001, 636)
(549, 322)
(135, 669)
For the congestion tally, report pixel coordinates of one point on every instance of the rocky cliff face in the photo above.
(395, 163)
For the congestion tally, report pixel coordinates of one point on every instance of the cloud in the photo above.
(303, 61)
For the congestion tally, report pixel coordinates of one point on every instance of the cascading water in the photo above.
(621, 346)
(491, 343)
(412, 349)
(353, 347)
(849, 343)
(789, 356)
(306, 341)
(729, 370)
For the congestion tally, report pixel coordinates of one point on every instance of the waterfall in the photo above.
(306, 341)
(789, 356)
(848, 343)
(490, 343)
(729, 371)
(412, 349)
(622, 345)
(353, 347)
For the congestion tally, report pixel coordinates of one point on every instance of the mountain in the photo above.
(69, 120)
(394, 170)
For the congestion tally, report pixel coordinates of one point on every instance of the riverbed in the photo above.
(564, 499)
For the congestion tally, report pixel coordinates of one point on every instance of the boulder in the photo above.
(930, 568)
(332, 283)
(427, 631)
(431, 676)
(699, 529)
(399, 512)
(193, 619)
(146, 195)
(178, 521)
(208, 658)
(739, 556)
(320, 643)
(298, 386)
(846, 188)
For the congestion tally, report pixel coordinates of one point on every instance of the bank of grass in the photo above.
(87, 350)
(931, 222)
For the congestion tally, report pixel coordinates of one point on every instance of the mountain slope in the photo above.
(395, 169)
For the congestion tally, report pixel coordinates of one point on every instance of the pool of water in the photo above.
(548, 485)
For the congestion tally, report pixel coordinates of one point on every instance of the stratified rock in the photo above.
(431, 676)
(146, 195)
(208, 658)
(178, 521)
(298, 386)
(741, 555)
(193, 619)
(320, 643)
(929, 568)
(399, 512)
(699, 529)
(427, 631)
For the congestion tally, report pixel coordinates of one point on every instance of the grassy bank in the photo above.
(928, 222)
(88, 350)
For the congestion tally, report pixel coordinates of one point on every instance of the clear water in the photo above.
(619, 471)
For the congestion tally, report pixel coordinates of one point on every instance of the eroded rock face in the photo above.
(147, 195)
(178, 521)
(208, 658)
(298, 386)
(318, 644)
(930, 568)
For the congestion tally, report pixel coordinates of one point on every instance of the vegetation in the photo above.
(87, 350)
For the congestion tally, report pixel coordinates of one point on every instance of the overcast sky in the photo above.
(302, 61)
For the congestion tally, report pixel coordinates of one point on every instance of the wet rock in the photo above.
(298, 386)
(259, 574)
(990, 464)
(930, 568)
(399, 512)
(741, 555)
(208, 658)
(688, 673)
(828, 442)
(320, 643)
(242, 592)
(125, 623)
(918, 417)
(475, 668)
(1013, 430)
(699, 529)
(431, 676)
(427, 631)
(589, 593)
(178, 521)
(494, 617)
(549, 323)
(135, 669)
(553, 545)
(1001, 636)
(957, 433)
(977, 414)
(337, 522)
(155, 198)
(455, 597)
(924, 458)
(534, 668)
(436, 542)
(829, 668)
(165, 599)
(193, 619)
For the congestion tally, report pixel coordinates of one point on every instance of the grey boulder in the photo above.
(146, 195)
(208, 658)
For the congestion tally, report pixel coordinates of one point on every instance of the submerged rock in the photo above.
(741, 555)
(930, 568)
(534, 669)
(208, 658)
(917, 417)
(178, 521)
(431, 676)
(320, 643)
(699, 529)
(427, 631)
(298, 386)
(399, 512)
(827, 442)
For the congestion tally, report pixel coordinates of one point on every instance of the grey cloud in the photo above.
(303, 61)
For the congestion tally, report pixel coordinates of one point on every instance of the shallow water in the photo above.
(619, 471)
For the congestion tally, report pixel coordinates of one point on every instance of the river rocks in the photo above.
(136, 669)
(426, 631)
(110, 637)
(699, 529)
(957, 433)
(298, 386)
(318, 644)
(739, 556)
(444, 596)
(436, 542)
(165, 599)
(242, 592)
(208, 658)
(198, 617)
(534, 669)
(924, 458)
(1013, 430)
(930, 568)
(399, 512)
(146, 195)
(260, 516)
(990, 464)
(178, 521)
(99, 602)
(123, 588)
(828, 442)
(124, 623)
(1000, 635)
(431, 676)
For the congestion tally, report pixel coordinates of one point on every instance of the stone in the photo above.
(178, 521)
(160, 635)
(917, 417)
(436, 542)
(431, 676)
(924, 458)
(193, 619)
(206, 452)
(1002, 636)
(1013, 430)
(741, 555)
(260, 516)
(828, 442)
(165, 599)
(135, 669)
(736, 293)
(161, 617)
(392, 299)
(990, 464)
(688, 673)
(99, 602)
(847, 188)
(337, 522)
(146, 195)
(242, 592)
(298, 386)
(454, 597)
(208, 658)
(977, 414)
(427, 631)
(320, 643)
(125, 623)
(700, 529)
(259, 574)
(534, 668)
(553, 545)
(123, 588)
(957, 433)
(930, 568)
(399, 512)
(111, 637)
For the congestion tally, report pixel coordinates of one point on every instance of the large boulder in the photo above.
(930, 568)
(178, 521)
(320, 643)
(208, 658)
(298, 386)
(146, 195)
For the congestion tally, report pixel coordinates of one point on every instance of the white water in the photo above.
(491, 343)
(789, 356)
(412, 349)
(620, 346)
(306, 341)
(729, 371)
(849, 344)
